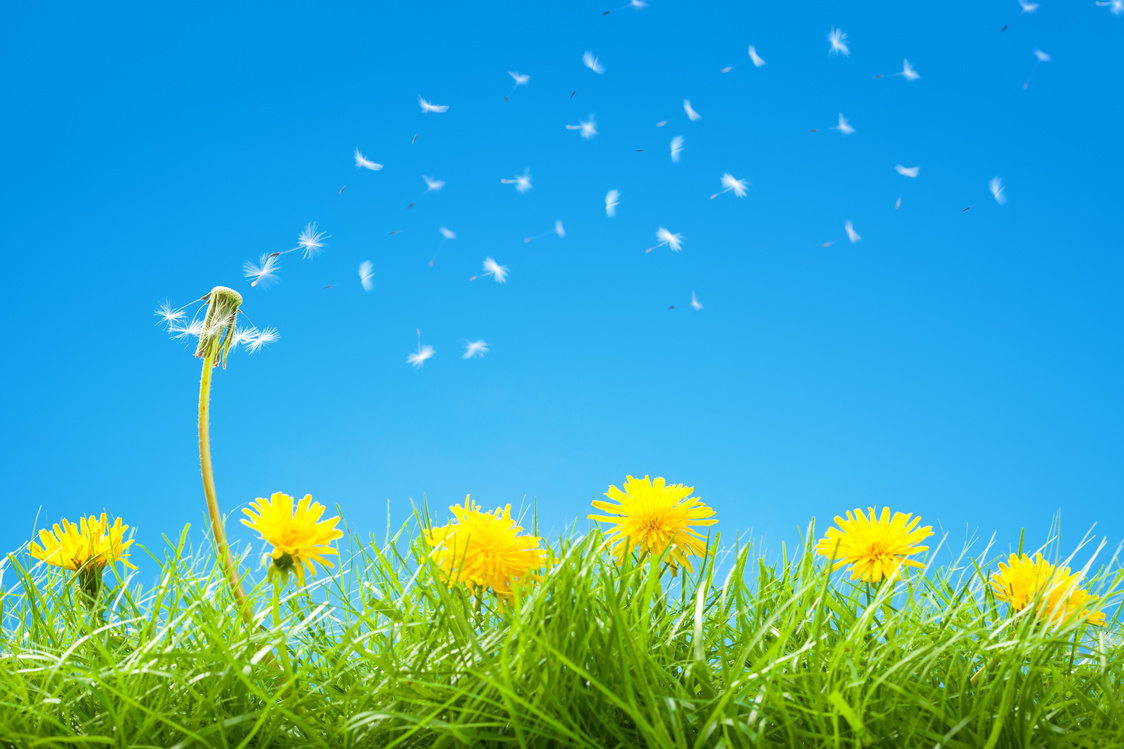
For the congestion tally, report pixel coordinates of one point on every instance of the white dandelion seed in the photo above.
(996, 187)
(522, 182)
(588, 128)
(432, 184)
(362, 161)
(192, 329)
(493, 269)
(265, 273)
(261, 338)
(757, 61)
(692, 115)
(591, 62)
(673, 241)
(475, 349)
(311, 241)
(838, 39)
(367, 275)
(427, 107)
(910, 171)
(1040, 57)
(851, 233)
(446, 233)
(637, 4)
(844, 126)
(695, 302)
(1026, 7)
(612, 198)
(729, 183)
(1116, 6)
(676, 148)
(559, 230)
(907, 72)
(520, 80)
(169, 316)
(423, 353)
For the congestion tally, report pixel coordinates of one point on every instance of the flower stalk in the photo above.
(215, 341)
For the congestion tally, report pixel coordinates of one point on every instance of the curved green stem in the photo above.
(218, 530)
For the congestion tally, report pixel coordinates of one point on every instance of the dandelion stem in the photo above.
(222, 548)
(283, 647)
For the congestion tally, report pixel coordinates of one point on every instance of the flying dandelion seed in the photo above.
(907, 72)
(843, 126)
(361, 161)
(423, 353)
(838, 39)
(559, 230)
(522, 182)
(475, 349)
(193, 329)
(493, 269)
(661, 123)
(1116, 6)
(446, 233)
(695, 302)
(673, 241)
(591, 62)
(676, 148)
(638, 4)
(757, 61)
(1040, 57)
(310, 241)
(612, 198)
(520, 80)
(428, 107)
(996, 187)
(261, 338)
(851, 233)
(729, 183)
(431, 185)
(367, 275)
(169, 316)
(588, 128)
(264, 273)
(1026, 8)
(692, 115)
(910, 171)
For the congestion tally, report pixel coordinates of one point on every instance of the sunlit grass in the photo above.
(381, 652)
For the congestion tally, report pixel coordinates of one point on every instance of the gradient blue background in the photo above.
(964, 366)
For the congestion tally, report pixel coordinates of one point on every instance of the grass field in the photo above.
(381, 651)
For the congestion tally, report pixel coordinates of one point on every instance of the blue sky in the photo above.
(961, 365)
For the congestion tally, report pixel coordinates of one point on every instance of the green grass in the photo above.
(741, 654)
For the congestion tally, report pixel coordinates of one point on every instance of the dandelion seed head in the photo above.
(737, 185)
(591, 62)
(264, 274)
(428, 107)
(494, 269)
(676, 148)
(362, 161)
(673, 241)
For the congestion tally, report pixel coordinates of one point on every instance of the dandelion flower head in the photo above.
(485, 550)
(93, 541)
(299, 538)
(652, 516)
(1053, 590)
(875, 548)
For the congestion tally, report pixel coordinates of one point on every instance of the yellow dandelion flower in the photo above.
(484, 549)
(875, 549)
(652, 516)
(1054, 590)
(299, 539)
(86, 548)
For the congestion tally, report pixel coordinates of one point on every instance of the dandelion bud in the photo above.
(218, 326)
